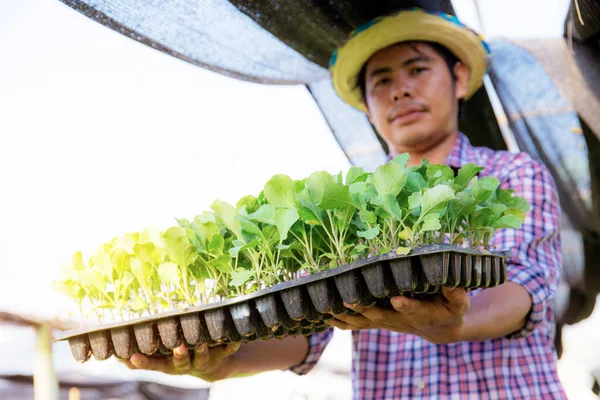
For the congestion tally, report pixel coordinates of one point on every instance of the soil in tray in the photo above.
(295, 308)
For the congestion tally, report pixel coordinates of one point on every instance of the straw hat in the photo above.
(412, 24)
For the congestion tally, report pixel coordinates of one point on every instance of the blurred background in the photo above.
(101, 135)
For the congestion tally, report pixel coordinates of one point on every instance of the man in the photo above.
(410, 73)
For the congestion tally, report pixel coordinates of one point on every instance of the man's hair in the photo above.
(447, 55)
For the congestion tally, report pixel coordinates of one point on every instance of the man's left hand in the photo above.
(439, 320)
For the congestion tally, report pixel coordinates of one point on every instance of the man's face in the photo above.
(411, 96)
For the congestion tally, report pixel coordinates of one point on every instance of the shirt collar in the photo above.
(459, 155)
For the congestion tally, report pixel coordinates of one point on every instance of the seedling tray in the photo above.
(298, 307)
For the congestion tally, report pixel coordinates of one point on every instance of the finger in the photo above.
(409, 306)
(201, 358)
(232, 348)
(205, 357)
(181, 359)
(458, 300)
(127, 362)
(341, 325)
(359, 321)
(221, 352)
(356, 307)
(140, 361)
(375, 315)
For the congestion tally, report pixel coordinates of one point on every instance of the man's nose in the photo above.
(402, 89)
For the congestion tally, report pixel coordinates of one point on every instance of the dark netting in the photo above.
(545, 126)
(243, 38)
(266, 41)
(542, 95)
(212, 34)
(350, 127)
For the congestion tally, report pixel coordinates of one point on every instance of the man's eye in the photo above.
(382, 81)
(418, 70)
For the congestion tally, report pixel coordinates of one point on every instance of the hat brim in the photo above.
(414, 25)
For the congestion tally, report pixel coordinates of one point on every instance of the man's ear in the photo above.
(462, 75)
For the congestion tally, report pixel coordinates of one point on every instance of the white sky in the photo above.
(100, 135)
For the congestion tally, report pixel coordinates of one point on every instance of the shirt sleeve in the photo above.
(536, 257)
(316, 344)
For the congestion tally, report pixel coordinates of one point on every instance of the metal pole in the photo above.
(501, 117)
(45, 385)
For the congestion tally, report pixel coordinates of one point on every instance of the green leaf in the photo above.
(516, 205)
(389, 178)
(69, 288)
(120, 260)
(222, 263)
(483, 188)
(126, 281)
(359, 249)
(226, 213)
(402, 251)
(279, 191)
(149, 252)
(482, 218)
(414, 201)
(139, 304)
(142, 271)
(370, 233)
(343, 217)
(401, 159)
(102, 261)
(216, 245)
(361, 193)
(250, 203)
(415, 182)
(179, 249)
(508, 221)
(168, 272)
(435, 199)
(355, 174)
(405, 234)
(206, 217)
(240, 277)
(431, 222)
(438, 174)
(77, 261)
(308, 216)
(367, 217)
(390, 204)
(265, 214)
(463, 205)
(248, 225)
(498, 209)
(284, 219)
(336, 195)
(240, 246)
(465, 174)
(316, 183)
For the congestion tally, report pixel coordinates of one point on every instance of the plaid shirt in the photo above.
(522, 365)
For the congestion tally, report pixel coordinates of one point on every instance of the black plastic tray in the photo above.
(297, 307)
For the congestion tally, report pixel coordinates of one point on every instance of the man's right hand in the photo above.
(209, 364)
